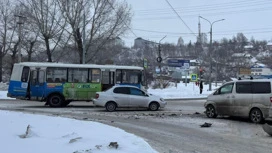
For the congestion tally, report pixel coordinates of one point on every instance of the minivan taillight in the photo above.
(97, 96)
(271, 99)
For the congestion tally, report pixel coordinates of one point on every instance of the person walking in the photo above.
(201, 87)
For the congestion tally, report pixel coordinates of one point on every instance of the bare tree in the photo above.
(7, 29)
(29, 44)
(104, 20)
(47, 20)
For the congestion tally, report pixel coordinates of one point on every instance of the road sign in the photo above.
(178, 63)
(193, 77)
(145, 63)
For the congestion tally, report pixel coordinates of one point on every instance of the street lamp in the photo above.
(210, 49)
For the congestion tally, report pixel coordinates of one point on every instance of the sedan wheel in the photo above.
(210, 112)
(111, 106)
(256, 115)
(154, 106)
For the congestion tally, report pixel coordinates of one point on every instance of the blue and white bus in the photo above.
(59, 84)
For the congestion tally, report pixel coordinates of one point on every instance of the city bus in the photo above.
(59, 84)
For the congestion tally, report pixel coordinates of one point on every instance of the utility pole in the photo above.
(20, 22)
(210, 50)
(83, 39)
(159, 60)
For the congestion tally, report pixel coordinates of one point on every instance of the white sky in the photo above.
(251, 17)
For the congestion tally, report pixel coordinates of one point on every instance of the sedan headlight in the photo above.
(162, 99)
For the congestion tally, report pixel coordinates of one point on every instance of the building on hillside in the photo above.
(265, 54)
(269, 46)
(116, 41)
(242, 59)
(259, 70)
(248, 48)
(140, 43)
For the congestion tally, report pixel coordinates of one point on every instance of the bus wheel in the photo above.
(55, 100)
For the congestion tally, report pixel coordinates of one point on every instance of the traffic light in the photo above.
(201, 71)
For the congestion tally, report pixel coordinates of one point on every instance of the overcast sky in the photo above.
(154, 19)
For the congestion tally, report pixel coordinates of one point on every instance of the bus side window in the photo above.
(49, 80)
(118, 76)
(77, 75)
(57, 80)
(55, 74)
(94, 75)
(34, 77)
(25, 74)
(124, 77)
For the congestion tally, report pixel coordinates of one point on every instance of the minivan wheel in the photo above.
(210, 111)
(256, 116)
(154, 106)
(110, 106)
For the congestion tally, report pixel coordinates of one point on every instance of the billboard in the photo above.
(245, 71)
(178, 63)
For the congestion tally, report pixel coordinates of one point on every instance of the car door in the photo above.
(242, 99)
(223, 99)
(138, 98)
(121, 96)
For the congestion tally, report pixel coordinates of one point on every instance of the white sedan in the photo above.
(128, 96)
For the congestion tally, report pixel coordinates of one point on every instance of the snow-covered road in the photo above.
(175, 129)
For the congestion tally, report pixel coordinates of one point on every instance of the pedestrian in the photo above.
(201, 87)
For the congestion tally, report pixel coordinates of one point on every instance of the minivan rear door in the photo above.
(262, 96)
(242, 99)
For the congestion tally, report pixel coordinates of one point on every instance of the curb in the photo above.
(200, 98)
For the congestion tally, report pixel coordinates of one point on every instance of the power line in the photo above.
(251, 10)
(206, 7)
(120, 17)
(152, 31)
(179, 17)
(255, 30)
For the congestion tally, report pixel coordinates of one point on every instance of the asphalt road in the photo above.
(174, 129)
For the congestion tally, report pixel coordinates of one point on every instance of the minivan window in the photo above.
(261, 87)
(243, 87)
(227, 88)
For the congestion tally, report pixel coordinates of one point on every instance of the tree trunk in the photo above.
(49, 55)
(80, 45)
(30, 51)
(1, 63)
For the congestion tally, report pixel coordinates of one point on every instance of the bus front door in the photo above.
(107, 79)
(37, 85)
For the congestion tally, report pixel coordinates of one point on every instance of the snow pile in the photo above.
(28, 133)
(189, 90)
(3, 86)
